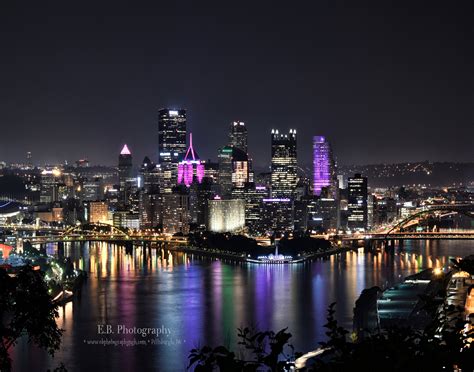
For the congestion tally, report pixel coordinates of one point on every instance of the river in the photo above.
(192, 301)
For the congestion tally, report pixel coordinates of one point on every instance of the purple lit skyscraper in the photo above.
(322, 164)
(190, 168)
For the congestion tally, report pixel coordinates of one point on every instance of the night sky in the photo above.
(387, 82)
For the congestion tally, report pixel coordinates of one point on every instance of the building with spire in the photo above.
(190, 169)
(125, 171)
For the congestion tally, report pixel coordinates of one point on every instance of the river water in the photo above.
(191, 301)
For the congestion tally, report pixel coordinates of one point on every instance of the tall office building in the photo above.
(151, 210)
(150, 206)
(238, 135)
(149, 176)
(323, 167)
(49, 187)
(234, 170)
(225, 171)
(241, 169)
(357, 203)
(315, 213)
(176, 216)
(277, 215)
(190, 169)
(171, 144)
(253, 196)
(125, 170)
(284, 164)
(98, 212)
(93, 189)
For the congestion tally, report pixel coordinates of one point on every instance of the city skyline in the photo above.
(237, 186)
(399, 76)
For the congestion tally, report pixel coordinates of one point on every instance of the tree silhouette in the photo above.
(262, 351)
(394, 349)
(26, 308)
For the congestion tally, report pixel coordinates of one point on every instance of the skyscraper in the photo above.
(225, 171)
(125, 165)
(284, 164)
(125, 169)
(49, 190)
(171, 144)
(357, 203)
(323, 167)
(149, 176)
(238, 135)
(171, 135)
(176, 216)
(190, 169)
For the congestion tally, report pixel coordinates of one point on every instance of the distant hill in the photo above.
(423, 173)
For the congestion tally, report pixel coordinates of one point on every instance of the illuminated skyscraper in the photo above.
(241, 169)
(125, 165)
(238, 135)
(190, 169)
(171, 135)
(171, 144)
(284, 164)
(357, 203)
(125, 169)
(50, 180)
(323, 165)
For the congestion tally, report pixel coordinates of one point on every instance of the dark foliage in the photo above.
(395, 349)
(466, 264)
(26, 308)
(303, 244)
(262, 351)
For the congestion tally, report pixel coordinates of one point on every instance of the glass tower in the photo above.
(284, 164)
(171, 144)
(323, 165)
(238, 135)
(357, 203)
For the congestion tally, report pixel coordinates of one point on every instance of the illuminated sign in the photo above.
(173, 113)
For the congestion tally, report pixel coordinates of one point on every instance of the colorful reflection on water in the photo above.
(203, 301)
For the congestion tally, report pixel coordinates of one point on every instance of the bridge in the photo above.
(161, 238)
(399, 230)
(105, 233)
(414, 218)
